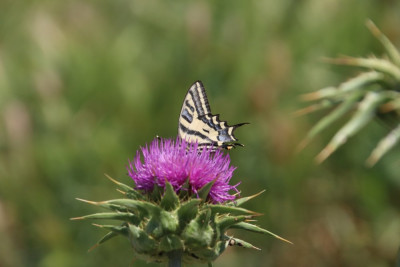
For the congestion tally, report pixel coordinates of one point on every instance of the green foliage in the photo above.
(160, 227)
(369, 94)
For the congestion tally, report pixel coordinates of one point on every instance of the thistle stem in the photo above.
(175, 258)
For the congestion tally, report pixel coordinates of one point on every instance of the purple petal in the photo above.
(180, 161)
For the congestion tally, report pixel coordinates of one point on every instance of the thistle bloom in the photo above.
(184, 167)
(174, 214)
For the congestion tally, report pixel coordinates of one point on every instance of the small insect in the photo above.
(197, 124)
(234, 242)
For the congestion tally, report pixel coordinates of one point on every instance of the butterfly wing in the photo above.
(197, 124)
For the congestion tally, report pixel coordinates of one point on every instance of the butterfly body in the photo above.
(197, 124)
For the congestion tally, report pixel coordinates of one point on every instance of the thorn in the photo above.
(310, 96)
(371, 161)
(112, 180)
(259, 193)
(93, 247)
(302, 145)
(344, 60)
(88, 201)
(372, 27)
(97, 225)
(324, 154)
(303, 111)
(387, 107)
(76, 218)
(120, 191)
(237, 194)
(283, 239)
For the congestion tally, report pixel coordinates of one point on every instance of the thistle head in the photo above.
(180, 206)
(186, 167)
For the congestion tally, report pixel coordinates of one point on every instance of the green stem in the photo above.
(175, 258)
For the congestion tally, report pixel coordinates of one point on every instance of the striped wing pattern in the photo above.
(197, 124)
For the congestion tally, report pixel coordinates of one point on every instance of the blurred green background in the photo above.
(84, 84)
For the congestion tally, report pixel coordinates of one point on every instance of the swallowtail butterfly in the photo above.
(197, 124)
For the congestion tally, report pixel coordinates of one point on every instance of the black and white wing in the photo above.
(197, 124)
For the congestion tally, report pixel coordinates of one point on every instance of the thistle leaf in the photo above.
(121, 216)
(256, 229)
(222, 209)
(383, 81)
(197, 235)
(323, 104)
(105, 238)
(364, 114)
(184, 192)
(241, 243)
(140, 241)
(170, 200)
(342, 109)
(212, 253)
(130, 192)
(390, 48)
(240, 201)
(156, 193)
(377, 64)
(105, 205)
(384, 146)
(225, 223)
(203, 218)
(161, 224)
(135, 205)
(353, 84)
(205, 190)
(359, 82)
(320, 94)
(168, 221)
(391, 105)
(170, 242)
(121, 230)
(188, 211)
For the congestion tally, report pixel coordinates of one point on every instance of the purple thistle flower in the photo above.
(178, 162)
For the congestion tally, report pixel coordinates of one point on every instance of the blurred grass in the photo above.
(84, 84)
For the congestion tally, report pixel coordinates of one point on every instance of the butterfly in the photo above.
(197, 124)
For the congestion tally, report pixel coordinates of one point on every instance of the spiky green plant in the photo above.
(180, 208)
(371, 93)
